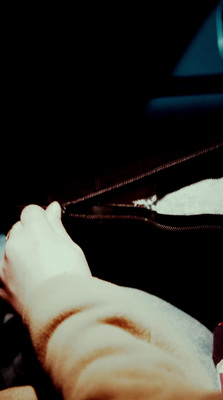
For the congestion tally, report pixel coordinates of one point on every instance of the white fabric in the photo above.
(199, 338)
(205, 197)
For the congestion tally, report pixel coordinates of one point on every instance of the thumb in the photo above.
(53, 213)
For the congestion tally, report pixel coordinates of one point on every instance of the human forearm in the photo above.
(95, 341)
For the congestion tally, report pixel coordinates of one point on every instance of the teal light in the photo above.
(2, 245)
(203, 56)
(219, 22)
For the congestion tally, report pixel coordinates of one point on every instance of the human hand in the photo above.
(37, 249)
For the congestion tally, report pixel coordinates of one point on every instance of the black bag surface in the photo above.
(92, 139)
(177, 258)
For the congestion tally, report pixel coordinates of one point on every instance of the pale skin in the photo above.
(37, 249)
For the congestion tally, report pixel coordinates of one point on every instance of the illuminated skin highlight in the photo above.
(41, 233)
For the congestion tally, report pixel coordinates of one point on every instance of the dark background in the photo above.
(89, 95)
(75, 84)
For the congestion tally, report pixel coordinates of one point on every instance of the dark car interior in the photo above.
(105, 105)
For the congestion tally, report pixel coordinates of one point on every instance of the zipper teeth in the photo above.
(141, 176)
(189, 228)
(164, 227)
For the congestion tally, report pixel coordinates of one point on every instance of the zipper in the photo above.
(100, 193)
(140, 214)
(94, 207)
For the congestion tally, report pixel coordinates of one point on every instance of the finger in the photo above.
(16, 228)
(12, 238)
(34, 216)
(53, 213)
